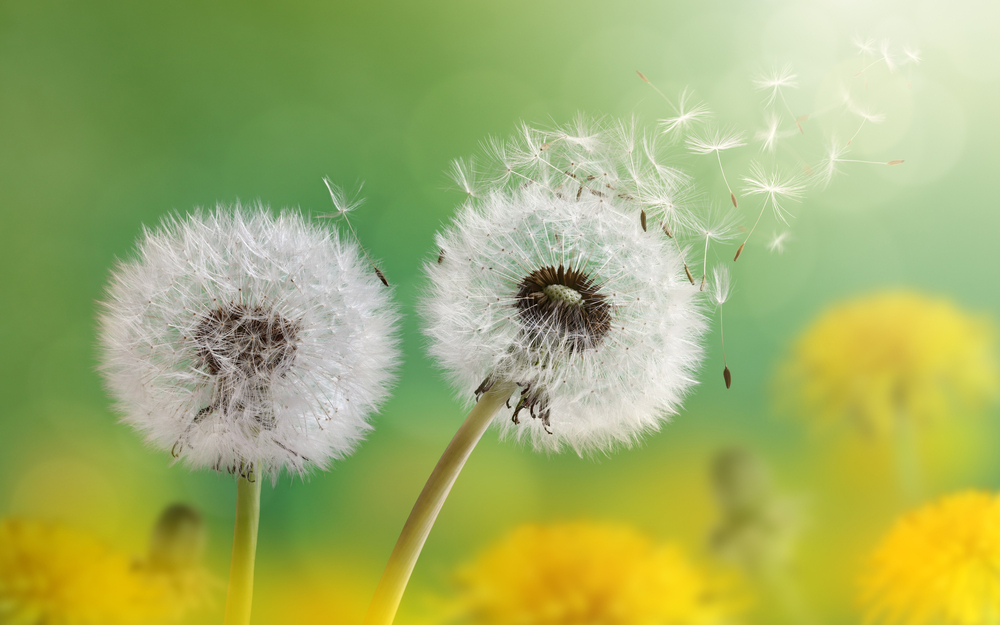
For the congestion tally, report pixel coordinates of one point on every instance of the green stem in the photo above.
(240, 594)
(411, 540)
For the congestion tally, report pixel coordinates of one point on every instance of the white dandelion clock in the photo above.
(249, 343)
(561, 302)
(238, 339)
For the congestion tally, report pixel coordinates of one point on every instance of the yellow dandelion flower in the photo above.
(52, 574)
(593, 574)
(892, 356)
(940, 564)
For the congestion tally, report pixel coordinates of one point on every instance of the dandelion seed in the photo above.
(778, 241)
(344, 205)
(716, 141)
(775, 189)
(769, 135)
(866, 115)
(775, 82)
(686, 116)
(866, 46)
(720, 292)
(885, 57)
(717, 226)
(912, 55)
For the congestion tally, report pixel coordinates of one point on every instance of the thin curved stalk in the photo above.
(240, 594)
(411, 540)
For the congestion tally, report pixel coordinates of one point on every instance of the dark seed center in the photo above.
(564, 305)
(248, 340)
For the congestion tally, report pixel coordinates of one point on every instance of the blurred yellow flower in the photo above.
(589, 574)
(52, 574)
(892, 356)
(940, 564)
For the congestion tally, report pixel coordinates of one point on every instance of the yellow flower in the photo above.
(889, 356)
(588, 574)
(56, 575)
(939, 564)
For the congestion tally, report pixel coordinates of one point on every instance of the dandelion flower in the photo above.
(52, 574)
(248, 343)
(573, 573)
(880, 359)
(236, 338)
(557, 294)
(938, 564)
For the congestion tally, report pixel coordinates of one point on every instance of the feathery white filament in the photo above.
(236, 337)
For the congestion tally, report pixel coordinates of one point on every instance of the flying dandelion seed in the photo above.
(768, 136)
(835, 155)
(778, 242)
(716, 225)
(775, 190)
(885, 56)
(866, 115)
(687, 115)
(775, 82)
(721, 290)
(716, 141)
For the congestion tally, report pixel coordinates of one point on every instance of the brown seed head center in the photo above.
(251, 341)
(564, 305)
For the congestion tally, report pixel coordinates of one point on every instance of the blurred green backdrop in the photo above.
(115, 113)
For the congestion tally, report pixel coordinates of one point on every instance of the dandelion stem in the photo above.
(240, 594)
(411, 540)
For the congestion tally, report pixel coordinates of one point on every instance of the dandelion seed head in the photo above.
(235, 338)
(557, 287)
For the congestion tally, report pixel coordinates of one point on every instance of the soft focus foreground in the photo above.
(125, 113)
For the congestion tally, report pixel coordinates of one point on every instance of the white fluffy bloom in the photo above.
(559, 278)
(242, 341)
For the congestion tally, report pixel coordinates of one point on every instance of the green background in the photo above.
(114, 114)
